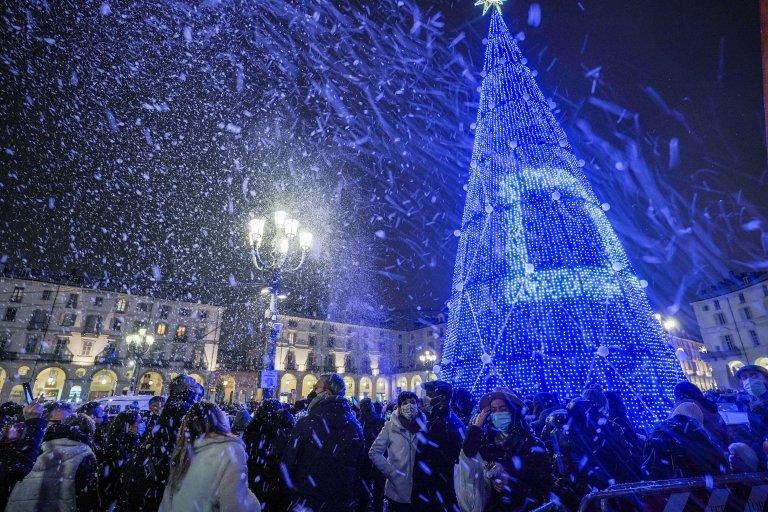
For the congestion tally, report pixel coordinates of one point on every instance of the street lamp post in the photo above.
(427, 359)
(139, 343)
(284, 249)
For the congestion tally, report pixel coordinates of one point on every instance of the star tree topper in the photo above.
(487, 4)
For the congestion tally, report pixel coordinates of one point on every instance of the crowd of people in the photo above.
(327, 453)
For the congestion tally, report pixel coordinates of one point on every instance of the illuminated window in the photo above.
(161, 328)
(120, 305)
(181, 332)
(18, 294)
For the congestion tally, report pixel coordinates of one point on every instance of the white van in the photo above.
(113, 405)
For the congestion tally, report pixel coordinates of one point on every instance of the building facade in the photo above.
(734, 327)
(375, 362)
(70, 342)
(689, 352)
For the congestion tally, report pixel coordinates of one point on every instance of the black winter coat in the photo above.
(680, 448)
(372, 425)
(437, 451)
(143, 479)
(116, 454)
(17, 457)
(324, 456)
(266, 438)
(524, 459)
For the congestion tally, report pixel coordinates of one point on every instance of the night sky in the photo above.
(139, 137)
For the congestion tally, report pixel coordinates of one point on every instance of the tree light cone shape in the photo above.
(536, 287)
(280, 217)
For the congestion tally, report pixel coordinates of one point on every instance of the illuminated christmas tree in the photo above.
(544, 297)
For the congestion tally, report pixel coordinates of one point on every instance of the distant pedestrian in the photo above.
(64, 477)
(143, 479)
(208, 468)
(325, 452)
(266, 438)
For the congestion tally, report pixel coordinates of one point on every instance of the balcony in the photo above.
(53, 357)
(6, 355)
(109, 359)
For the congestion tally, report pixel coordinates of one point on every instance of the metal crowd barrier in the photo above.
(729, 493)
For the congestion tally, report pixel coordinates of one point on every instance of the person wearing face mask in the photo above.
(754, 380)
(514, 469)
(398, 439)
(123, 437)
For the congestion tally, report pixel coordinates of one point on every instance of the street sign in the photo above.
(268, 379)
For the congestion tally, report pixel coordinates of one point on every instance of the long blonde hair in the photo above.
(203, 418)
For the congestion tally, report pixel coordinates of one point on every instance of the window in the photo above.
(5, 339)
(10, 314)
(120, 305)
(202, 314)
(349, 344)
(765, 290)
(185, 311)
(165, 311)
(31, 345)
(399, 349)
(747, 313)
(46, 295)
(291, 338)
(68, 319)
(39, 320)
(86, 348)
(200, 333)
(161, 328)
(720, 318)
(143, 307)
(332, 329)
(93, 324)
(755, 339)
(717, 304)
(72, 300)
(117, 324)
(181, 332)
(18, 294)
(742, 300)
(312, 340)
(61, 346)
(293, 324)
(729, 342)
(331, 341)
(98, 301)
(705, 307)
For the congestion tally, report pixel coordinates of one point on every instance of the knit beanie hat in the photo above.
(690, 409)
(746, 454)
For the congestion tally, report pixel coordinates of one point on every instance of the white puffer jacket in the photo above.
(400, 446)
(217, 479)
(51, 483)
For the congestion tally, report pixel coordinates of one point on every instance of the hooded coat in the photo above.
(144, 477)
(63, 478)
(266, 438)
(399, 444)
(324, 456)
(216, 480)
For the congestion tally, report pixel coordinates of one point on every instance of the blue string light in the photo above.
(544, 297)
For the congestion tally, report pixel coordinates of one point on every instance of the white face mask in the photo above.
(409, 411)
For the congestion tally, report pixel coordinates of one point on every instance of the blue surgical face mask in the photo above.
(755, 387)
(501, 420)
